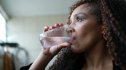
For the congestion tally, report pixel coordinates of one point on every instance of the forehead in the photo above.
(84, 8)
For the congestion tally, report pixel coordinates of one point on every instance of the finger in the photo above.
(61, 25)
(50, 28)
(46, 28)
(53, 27)
(57, 25)
(57, 48)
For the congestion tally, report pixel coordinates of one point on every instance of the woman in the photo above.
(99, 38)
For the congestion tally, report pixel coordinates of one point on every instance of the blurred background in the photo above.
(21, 22)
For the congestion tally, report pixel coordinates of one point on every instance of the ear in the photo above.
(101, 27)
(103, 30)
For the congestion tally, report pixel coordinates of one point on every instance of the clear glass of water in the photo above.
(54, 37)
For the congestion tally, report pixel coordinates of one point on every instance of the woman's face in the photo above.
(84, 28)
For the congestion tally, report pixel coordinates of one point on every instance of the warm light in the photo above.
(2, 28)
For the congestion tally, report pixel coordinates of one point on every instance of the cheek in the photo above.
(87, 35)
(84, 31)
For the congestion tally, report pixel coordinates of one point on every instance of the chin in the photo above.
(76, 49)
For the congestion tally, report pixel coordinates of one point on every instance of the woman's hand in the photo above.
(47, 54)
(55, 49)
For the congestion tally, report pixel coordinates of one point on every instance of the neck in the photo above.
(97, 57)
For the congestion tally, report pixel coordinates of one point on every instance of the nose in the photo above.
(70, 30)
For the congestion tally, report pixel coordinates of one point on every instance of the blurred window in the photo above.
(2, 28)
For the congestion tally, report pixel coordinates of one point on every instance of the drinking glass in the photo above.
(54, 37)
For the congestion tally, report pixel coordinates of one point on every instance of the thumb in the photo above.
(55, 49)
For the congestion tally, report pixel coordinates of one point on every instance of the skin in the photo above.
(47, 53)
(87, 39)
(85, 29)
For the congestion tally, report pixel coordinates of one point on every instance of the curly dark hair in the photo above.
(112, 14)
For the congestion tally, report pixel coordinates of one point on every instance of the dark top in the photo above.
(26, 67)
(115, 67)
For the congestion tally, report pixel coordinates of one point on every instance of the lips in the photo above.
(72, 40)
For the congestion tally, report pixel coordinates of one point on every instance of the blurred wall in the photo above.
(26, 30)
